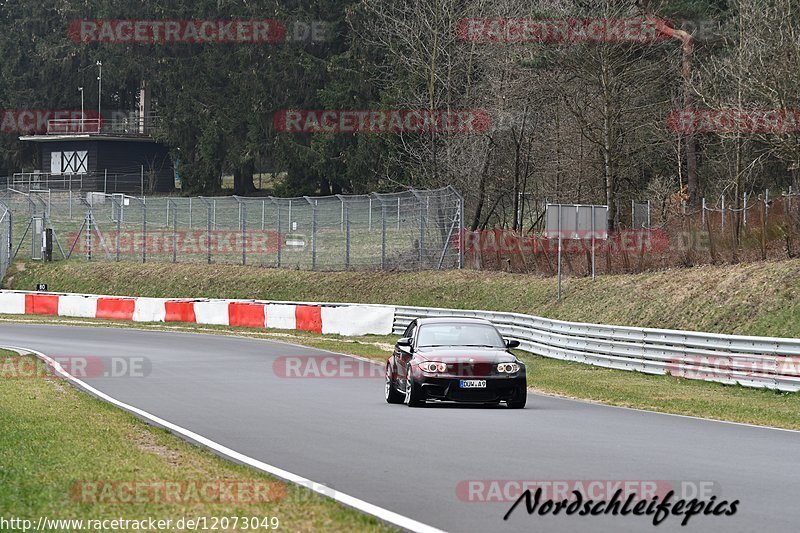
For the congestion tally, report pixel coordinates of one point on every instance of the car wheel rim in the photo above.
(388, 382)
(408, 390)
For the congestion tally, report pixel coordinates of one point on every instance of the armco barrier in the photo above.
(763, 362)
(340, 319)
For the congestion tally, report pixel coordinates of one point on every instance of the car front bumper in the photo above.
(447, 388)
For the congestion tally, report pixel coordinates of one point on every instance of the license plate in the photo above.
(472, 383)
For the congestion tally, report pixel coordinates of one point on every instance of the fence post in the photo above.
(278, 224)
(383, 235)
(119, 218)
(10, 238)
(398, 213)
(313, 205)
(703, 213)
(369, 219)
(421, 233)
(209, 213)
(105, 181)
(461, 231)
(723, 214)
(142, 181)
(89, 234)
(243, 224)
(174, 231)
(744, 210)
(347, 236)
(144, 229)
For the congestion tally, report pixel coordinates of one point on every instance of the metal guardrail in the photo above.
(761, 362)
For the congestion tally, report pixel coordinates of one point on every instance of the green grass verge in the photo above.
(54, 436)
(751, 299)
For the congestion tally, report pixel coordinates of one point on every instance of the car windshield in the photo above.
(481, 335)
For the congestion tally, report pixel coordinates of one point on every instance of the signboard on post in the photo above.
(575, 222)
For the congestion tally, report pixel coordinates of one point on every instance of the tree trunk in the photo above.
(243, 180)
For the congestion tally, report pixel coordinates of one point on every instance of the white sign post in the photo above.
(576, 222)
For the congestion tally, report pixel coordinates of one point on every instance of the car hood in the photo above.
(464, 354)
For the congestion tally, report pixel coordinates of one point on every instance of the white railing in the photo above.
(762, 362)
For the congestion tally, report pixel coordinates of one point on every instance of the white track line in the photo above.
(350, 501)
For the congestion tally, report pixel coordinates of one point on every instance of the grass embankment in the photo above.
(751, 299)
(55, 437)
(757, 299)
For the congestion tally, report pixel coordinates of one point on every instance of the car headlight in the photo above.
(508, 368)
(433, 366)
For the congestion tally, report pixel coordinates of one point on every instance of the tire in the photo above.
(413, 396)
(519, 404)
(390, 392)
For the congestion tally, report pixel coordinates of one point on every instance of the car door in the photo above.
(402, 355)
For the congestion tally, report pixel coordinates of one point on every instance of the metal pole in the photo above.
(314, 236)
(89, 234)
(105, 181)
(648, 214)
(745, 210)
(347, 237)
(558, 289)
(703, 213)
(174, 233)
(766, 204)
(593, 230)
(263, 209)
(209, 208)
(461, 231)
(398, 213)
(369, 219)
(633, 214)
(383, 235)
(421, 231)
(144, 230)
(119, 216)
(243, 224)
(341, 222)
(723, 213)
(279, 237)
(142, 180)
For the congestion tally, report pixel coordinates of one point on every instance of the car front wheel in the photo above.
(392, 396)
(413, 392)
(520, 401)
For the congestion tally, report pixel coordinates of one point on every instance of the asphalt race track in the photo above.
(340, 432)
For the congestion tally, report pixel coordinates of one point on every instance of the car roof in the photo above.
(451, 320)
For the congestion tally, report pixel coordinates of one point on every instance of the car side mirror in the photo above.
(404, 342)
(512, 343)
